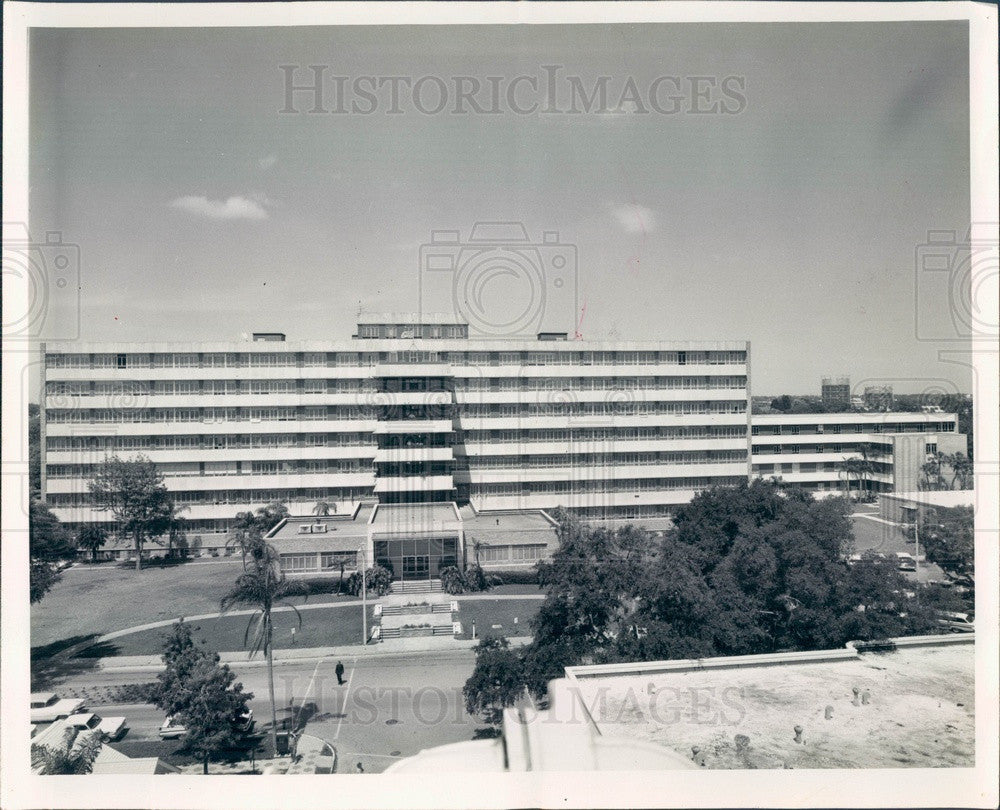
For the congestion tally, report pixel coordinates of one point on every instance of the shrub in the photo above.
(475, 579)
(377, 581)
(452, 580)
(514, 576)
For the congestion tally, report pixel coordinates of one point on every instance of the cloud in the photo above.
(634, 218)
(267, 162)
(236, 207)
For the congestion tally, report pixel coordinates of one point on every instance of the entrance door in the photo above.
(416, 566)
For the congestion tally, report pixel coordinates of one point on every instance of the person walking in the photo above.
(339, 669)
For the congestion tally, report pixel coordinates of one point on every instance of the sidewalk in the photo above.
(239, 660)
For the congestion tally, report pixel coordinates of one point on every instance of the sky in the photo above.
(794, 220)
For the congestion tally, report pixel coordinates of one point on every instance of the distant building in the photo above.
(836, 393)
(810, 450)
(878, 397)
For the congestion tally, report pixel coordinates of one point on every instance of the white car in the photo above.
(110, 728)
(173, 730)
(47, 707)
(957, 622)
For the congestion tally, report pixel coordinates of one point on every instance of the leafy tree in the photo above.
(134, 493)
(75, 756)
(261, 586)
(250, 524)
(48, 543)
(34, 451)
(948, 538)
(497, 680)
(782, 403)
(92, 537)
(201, 694)
(745, 569)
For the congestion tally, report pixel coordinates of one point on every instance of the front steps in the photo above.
(417, 586)
(416, 609)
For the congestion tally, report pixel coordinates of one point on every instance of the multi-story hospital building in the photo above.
(408, 412)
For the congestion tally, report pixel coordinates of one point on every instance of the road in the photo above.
(390, 706)
(871, 533)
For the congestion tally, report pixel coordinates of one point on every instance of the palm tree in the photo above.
(176, 529)
(323, 508)
(261, 586)
(70, 757)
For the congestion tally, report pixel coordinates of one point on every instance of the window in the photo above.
(120, 361)
(296, 563)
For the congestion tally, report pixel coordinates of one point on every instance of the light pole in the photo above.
(916, 545)
(364, 593)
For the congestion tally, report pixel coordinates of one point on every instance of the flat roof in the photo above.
(416, 517)
(952, 497)
(920, 711)
(394, 345)
(337, 526)
(509, 528)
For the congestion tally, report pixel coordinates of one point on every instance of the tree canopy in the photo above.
(48, 543)
(200, 694)
(745, 569)
(133, 492)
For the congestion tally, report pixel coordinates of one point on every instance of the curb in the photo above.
(239, 660)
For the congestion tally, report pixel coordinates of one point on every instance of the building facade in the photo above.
(403, 412)
(420, 413)
(836, 393)
(811, 450)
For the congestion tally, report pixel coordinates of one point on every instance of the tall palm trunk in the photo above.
(270, 686)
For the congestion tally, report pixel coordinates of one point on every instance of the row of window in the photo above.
(622, 407)
(136, 389)
(854, 427)
(512, 554)
(124, 360)
(366, 412)
(236, 441)
(321, 561)
(181, 469)
(793, 449)
(608, 459)
(605, 434)
(623, 485)
(570, 384)
(363, 441)
(243, 498)
(140, 388)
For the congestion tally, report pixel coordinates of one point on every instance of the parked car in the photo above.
(173, 730)
(47, 707)
(110, 728)
(956, 622)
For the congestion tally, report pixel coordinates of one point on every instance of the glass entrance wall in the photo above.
(412, 558)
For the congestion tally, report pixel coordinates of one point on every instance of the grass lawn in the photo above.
(488, 612)
(324, 627)
(101, 599)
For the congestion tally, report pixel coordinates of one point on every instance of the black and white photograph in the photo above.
(500, 405)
